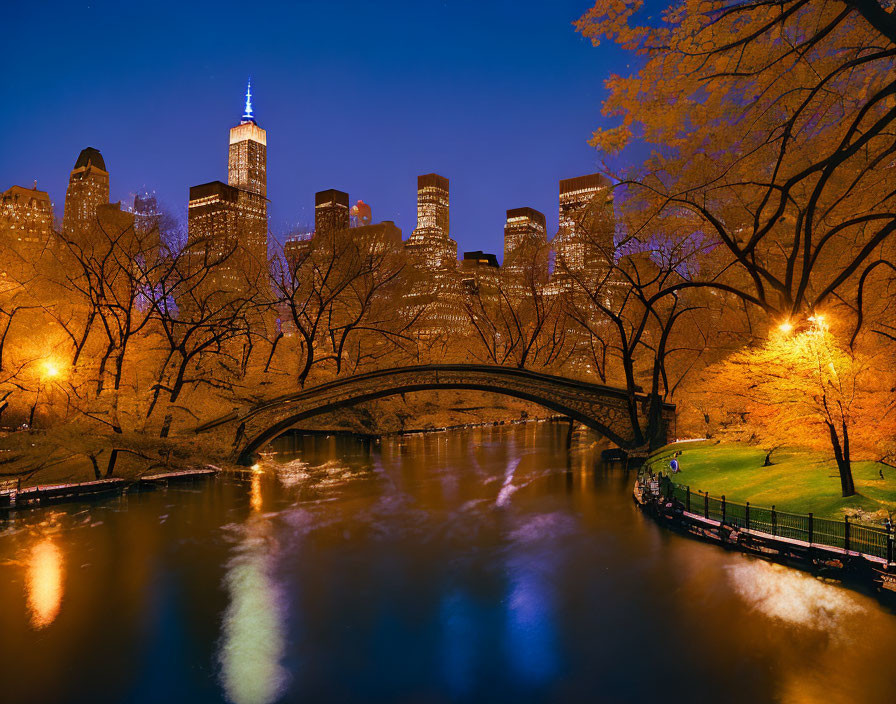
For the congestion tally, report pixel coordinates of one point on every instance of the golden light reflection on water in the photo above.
(255, 498)
(45, 583)
(253, 639)
(791, 596)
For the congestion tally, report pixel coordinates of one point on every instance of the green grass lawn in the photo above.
(799, 481)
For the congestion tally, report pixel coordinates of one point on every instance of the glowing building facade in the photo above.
(525, 244)
(214, 216)
(584, 243)
(232, 219)
(378, 237)
(26, 219)
(296, 248)
(479, 274)
(248, 156)
(430, 243)
(437, 297)
(88, 188)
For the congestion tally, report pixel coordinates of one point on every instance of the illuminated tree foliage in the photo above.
(773, 130)
(803, 388)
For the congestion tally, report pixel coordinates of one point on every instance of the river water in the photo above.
(487, 565)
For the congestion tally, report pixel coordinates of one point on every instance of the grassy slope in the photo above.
(799, 481)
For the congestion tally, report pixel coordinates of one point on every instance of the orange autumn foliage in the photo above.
(773, 130)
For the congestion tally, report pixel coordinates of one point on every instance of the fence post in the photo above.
(846, 533)
(723, 508)
(747, 516)
(687, 500)
(811, 526)
(774, 521)
(889, 545)
(706, 504)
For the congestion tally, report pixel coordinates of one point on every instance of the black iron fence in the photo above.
(847, 535)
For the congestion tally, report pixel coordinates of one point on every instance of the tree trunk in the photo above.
(31, 414)
(113, 458)
(166, 426)
(96, 467)
(656, 426)
(844, 465)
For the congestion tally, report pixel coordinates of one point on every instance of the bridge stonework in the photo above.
(604, 409)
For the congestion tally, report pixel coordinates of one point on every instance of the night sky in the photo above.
(500, 97)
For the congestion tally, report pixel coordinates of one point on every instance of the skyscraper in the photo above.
(584, 242)
(525, 242)
(214, 215)
(247, 171)
(296, 248)
(247, 160)
(430, 243)
(437, 296)
(26, 218)
(331, 212)
(88, 188)
(232, 219)
(378, 237)
(146, 213)
(479, 273)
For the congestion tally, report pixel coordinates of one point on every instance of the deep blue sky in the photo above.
(500, 97)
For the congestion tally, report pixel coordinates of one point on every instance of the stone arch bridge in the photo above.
(604, 409)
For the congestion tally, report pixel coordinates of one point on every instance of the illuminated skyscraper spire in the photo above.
(247, 115)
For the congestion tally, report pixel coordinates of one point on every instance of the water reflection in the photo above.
(45, 582)
(253, 639)
(792, 597)
(459, 637)
(388, 573)
(531, 639)
(255, 498)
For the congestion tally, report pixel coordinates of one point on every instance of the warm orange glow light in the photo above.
(786, 327)
(255, 500)
(45, 575)
(51, 369)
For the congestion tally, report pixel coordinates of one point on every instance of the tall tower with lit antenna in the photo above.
(234, 216)
(247, 165)
(247, 171)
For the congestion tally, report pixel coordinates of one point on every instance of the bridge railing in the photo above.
(846, 534)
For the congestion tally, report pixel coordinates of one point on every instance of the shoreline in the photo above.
(420, 431)
(874, 576)
(41, 495)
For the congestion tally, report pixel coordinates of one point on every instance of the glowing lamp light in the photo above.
(817, 323)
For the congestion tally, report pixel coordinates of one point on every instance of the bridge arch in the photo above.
(605, 409)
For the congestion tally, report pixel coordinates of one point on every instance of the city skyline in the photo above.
(495, 118)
